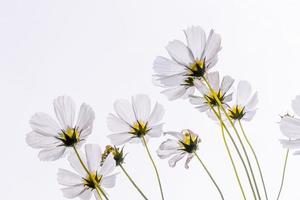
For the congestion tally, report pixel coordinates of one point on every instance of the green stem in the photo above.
(99, 193)
(283, 173)
(236, 132)
(256, 159)
(231, 160)
(155, 168)
(236, 148)
(209, 174)
(133, 183)
(88, 172)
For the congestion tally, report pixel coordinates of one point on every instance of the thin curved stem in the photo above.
(99, 193)
(88, 172)
(236, 148)
(209, 174)
(283, 173)
(236, 132)
(256, 159)
(155, 168)
(133, 183)
(232, 161)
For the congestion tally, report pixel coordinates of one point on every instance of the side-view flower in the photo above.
(187, 74)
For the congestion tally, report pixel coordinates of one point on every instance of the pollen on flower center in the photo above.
(139, 129)
(197, 69)
(237, 112)
(70, 136)
(92, 180)
(118, 154)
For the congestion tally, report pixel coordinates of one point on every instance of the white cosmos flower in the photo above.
(81, 184)
(55, 138)
(185, 144)
(290, 127)
(188, 63)
(135, 120)
(245, 106)
(202, 102)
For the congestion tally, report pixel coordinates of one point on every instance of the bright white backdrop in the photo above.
(98, 51)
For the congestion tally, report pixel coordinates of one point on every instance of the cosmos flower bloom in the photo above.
(185, 144)
(290, 127)
(245, 105)
(203, 102)
(135, 120)
(188, 63)
(54, 139)
(82, 184)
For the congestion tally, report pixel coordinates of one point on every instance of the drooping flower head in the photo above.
(185, 144)
(55, 138)
(134, 121)
(290, 127)
(208, 99)
(116, 152)
(81, 184)
(245, 105)
(189, 62)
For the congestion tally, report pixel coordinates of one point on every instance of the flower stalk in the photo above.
(154, 166)
(283, 173)
(210, 176)
(133, 183)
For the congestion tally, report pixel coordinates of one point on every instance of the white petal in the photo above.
(43, 124)
(171, 81)
(190, 91)
(162, 154)
(67, 178)
(296, 105)
(64, 108)
(108, 165)
(213, 46)
(174, 93)
(177, 135)
(189, 158)
(36, 140)
(108, 181)
(249, 115)
(226, 84)
(202, 88)
(197, 100)
(156, 131)
(243, 92)
(290, 127)
(120, 138)
(141, 106)
(73, 191)
(76, 165)
(252, 103)
(167, 67)
(86, 117)
(116, 125)
(180, 53)
(86, 195)
(227, 98)
(214, 80)
(170, 144)
(175, 159)
(196, 40)
(93, 156)
(124, 110)
(290, 144)
(156, 114)
(52, 154)
(203, 107)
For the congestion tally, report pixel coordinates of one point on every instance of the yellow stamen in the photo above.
(188, 136)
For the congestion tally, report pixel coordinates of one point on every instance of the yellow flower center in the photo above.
(189, 137)
(70, 136)
(211, 98)
(139, 128)
(196, 65)
(92, 180)
(237, 112)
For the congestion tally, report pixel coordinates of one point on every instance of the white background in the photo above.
(98, 51)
